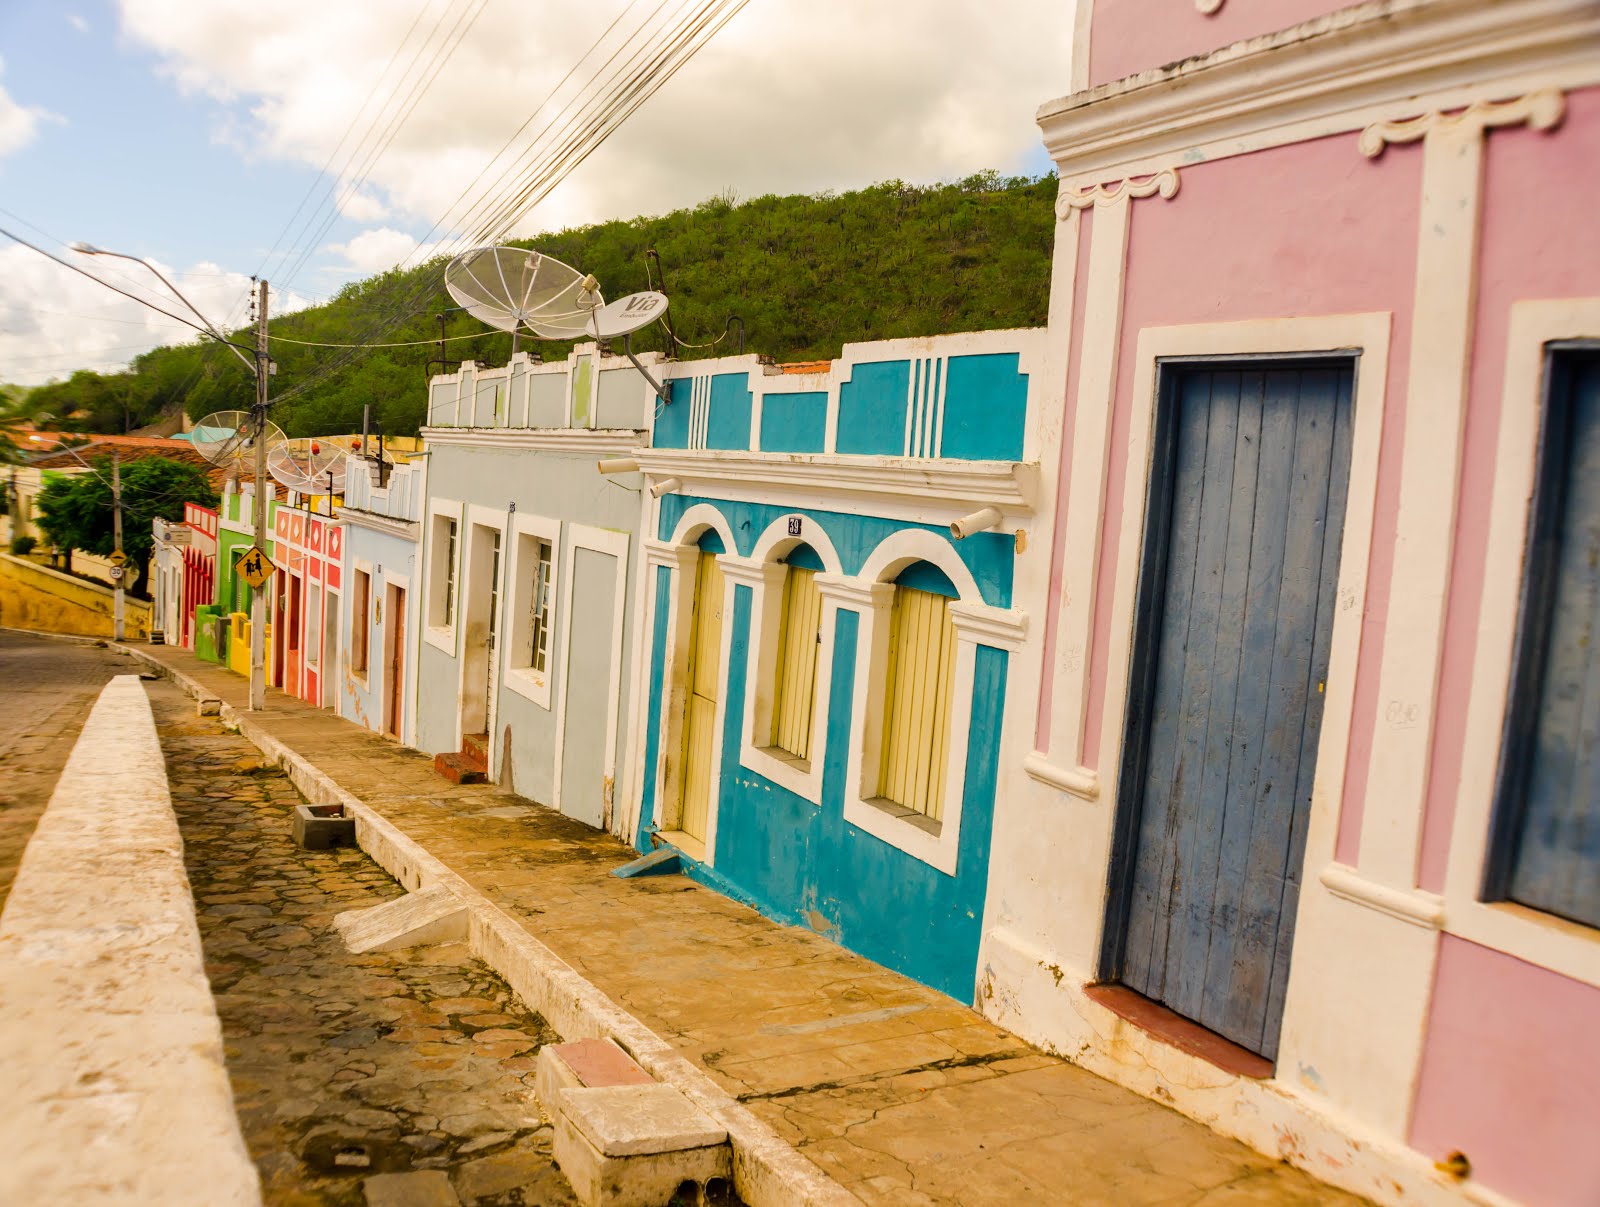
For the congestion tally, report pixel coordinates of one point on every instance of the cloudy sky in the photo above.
(318, 141)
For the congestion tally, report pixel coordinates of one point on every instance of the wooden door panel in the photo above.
(1241, 630)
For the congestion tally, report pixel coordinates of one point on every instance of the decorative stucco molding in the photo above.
(1340, 72)
(1009, 485)
(1072, 198)
(1081, 782)
(1542, 110)
(1416, 907)
(1208, 7)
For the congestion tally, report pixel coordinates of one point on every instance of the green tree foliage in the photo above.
(75, 510)
(805, 274)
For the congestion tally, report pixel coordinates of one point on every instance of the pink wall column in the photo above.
(1509, 1076)
(1538, 204)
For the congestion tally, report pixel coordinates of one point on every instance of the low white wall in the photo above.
(116, 1089)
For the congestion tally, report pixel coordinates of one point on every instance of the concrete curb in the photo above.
(767, 1171)
(117, 1090)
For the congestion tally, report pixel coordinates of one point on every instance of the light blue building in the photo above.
(827, 663)
(382, 514)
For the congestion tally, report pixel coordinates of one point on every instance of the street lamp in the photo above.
(261, 366)
(89, 249)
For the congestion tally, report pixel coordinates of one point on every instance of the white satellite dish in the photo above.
(307, 467)
(510, 288)
(627, 315)
(228, 438)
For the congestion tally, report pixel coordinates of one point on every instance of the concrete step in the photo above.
(460, 769)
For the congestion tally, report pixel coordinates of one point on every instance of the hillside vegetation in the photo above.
(805, 274)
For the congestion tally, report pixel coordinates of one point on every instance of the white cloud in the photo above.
(53, 321)
(359, 206)
(19, 124)
(793, 95)
(376, 250)
(77, 23)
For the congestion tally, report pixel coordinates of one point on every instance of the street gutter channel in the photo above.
(344, 1066)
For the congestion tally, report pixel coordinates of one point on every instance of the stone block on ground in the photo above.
(207, 706)
(418, 1188)
(320, 827)
(432, 915)
(635, 1145)
(584, 1062)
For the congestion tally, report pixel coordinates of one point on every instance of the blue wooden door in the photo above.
(1548, 837)
(1236, 612)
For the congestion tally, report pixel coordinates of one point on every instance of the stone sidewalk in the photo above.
(901, 1094)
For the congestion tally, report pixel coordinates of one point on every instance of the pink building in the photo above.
(305, 622)
(199, 569)
(1303, 833)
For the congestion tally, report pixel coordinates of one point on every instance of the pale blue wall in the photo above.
(390, 555)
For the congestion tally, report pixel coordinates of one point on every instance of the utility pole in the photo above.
(258, 598)
(116, 537)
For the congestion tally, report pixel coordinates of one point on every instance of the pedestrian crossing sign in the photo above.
(256, 567)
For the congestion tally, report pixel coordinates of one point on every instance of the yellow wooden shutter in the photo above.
(916, 720)
(705, 666)
(797, 662)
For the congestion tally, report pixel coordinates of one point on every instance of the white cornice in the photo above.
(575, 440)
(1382, 61)
(1008, 485)
(1003, 628)
(405, 529)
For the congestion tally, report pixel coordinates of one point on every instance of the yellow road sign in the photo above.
(117, 557)
(256, 567)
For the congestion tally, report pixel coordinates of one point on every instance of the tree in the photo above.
(75, 510)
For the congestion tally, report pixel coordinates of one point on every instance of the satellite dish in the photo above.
(510, 288)
(308, 467)
(626, 315)
(228, 438)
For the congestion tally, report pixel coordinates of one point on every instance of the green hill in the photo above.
(805, 274)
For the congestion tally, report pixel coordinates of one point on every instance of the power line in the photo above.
(323, 174)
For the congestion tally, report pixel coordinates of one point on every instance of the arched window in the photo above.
(918, 691)
(799, 635)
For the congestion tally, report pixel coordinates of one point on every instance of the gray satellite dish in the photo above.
(509, 288)
(228, 438)
(627, 315)
(308, 467)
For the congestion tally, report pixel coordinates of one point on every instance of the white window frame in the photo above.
(679, 554)
(311, 651)
(362, 566)
(443, 637)
(1558, 944)
(525, 681)
(764, 573)
(976, 623)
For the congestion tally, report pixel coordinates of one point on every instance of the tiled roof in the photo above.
(130, 448)
(806, 366)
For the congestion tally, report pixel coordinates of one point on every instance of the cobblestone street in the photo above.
(344, 1066)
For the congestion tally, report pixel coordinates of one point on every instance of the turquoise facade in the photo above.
(968, 406)
(989, 555)
(794, 423)
(803, 863)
